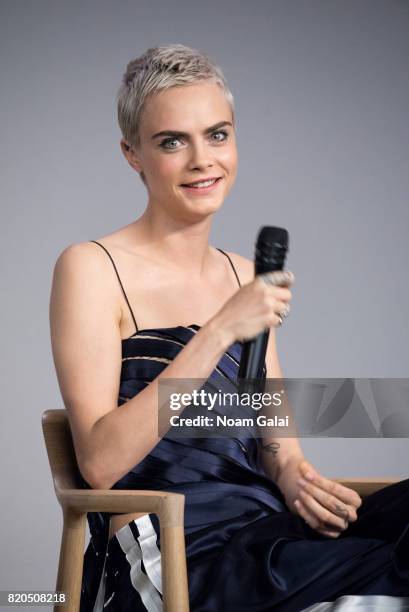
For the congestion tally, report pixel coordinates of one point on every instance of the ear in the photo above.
(129, 152)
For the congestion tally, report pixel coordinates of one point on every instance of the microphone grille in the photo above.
(273, 235)
(271, 249)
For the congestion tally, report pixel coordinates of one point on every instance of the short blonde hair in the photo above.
(160, 68)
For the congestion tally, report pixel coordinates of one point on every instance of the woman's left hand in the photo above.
(327, 506)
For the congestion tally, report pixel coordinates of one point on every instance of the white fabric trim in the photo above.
(351, 603)
(140, 581)
(150, 552)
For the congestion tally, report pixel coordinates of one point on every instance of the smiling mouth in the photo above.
(202, 184)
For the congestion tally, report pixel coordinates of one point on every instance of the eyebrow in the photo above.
(178, 133)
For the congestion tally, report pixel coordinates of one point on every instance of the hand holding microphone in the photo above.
(270, 253)
(256, 306)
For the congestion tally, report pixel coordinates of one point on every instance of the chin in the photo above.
(214, 200)
(200, 210)
(211, 205)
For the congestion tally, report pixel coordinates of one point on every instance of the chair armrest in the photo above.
(366, 486)
(168, 506)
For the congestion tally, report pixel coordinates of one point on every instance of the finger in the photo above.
(326, 518)
(278, 320)
(308, 517)
(311, 520)
(331, 534)
(282, 308)
(328, 500)
(345, 494)
(279, 309)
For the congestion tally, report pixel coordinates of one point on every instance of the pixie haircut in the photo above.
(160, 68)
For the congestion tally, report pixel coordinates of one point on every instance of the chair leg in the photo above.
(174, 583)
(71, 562)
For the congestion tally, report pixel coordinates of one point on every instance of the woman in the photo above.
(264, 529)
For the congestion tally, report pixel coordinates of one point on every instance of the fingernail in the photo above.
(301, 482)
(309, 475)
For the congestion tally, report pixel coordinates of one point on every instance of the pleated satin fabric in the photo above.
(246, 552)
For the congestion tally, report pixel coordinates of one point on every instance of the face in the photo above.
(186, 135)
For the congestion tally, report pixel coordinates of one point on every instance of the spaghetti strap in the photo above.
(122, 287)
(231, 263)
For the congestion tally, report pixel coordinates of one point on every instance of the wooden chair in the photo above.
(76, 502)
(169, 507)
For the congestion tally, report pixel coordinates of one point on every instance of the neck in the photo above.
(183, 243)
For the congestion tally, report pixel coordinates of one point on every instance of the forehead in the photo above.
(186, 108)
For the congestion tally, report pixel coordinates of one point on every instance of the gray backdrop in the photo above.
(321, 89)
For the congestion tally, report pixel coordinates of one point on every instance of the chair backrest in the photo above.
(60, 450)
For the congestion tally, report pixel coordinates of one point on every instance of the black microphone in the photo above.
(270, 253)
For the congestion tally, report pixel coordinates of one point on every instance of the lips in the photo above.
(195, 191)
(204, 180)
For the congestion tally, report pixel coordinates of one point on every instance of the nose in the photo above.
(201, 156)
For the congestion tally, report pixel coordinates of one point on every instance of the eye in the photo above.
(225, 134)
(165, 144)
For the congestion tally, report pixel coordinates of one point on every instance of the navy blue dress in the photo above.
(246, 551)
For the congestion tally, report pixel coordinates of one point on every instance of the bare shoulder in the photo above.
(84, 259)
(79, 253)
(82, 271)
(243, 265)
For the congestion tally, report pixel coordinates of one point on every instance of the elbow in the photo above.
(96, 477)
(99, 483)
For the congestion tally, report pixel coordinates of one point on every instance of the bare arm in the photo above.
(323, 503)
(86, 344)
(275, 452)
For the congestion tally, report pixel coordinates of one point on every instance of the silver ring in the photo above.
(280, 319)
(286, 311)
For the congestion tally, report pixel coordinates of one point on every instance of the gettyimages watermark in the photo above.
(287, 407)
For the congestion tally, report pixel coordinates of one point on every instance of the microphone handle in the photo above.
(254, 350)
(253, 356)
